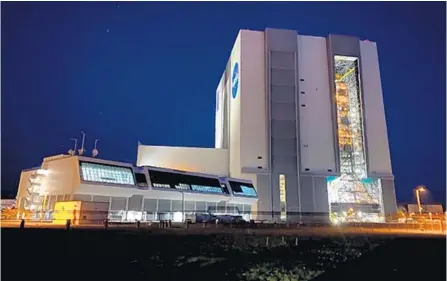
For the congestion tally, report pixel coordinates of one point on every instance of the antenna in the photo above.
(95, 151)
(72, 152)
(82, 150)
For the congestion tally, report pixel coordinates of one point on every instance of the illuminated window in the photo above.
(161, 185)
(245, 189)
(94, 172)
(210, 189)
(282, 196)
(161, 179)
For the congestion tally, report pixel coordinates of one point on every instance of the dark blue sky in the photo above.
(148, 72)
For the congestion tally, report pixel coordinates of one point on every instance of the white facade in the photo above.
(241, 118)
(253, 108)
(379, 160)
(190, 159)
(316, 133)
(307, 110)
(146, 193)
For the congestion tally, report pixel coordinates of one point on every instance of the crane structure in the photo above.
(352, 196)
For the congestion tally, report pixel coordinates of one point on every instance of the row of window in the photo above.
(186, 182)
(211, 189)
(247, 191)
(161, 185)
(183, 186)
(243, 189)
(106, 174)
(94, 172)
(195, 187)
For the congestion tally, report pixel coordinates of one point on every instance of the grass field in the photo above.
(51, 254)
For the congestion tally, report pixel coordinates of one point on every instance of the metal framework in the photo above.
(352, 196)
(33, 200)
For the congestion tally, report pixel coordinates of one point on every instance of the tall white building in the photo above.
(302, 117)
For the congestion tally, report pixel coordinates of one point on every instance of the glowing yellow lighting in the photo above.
(42, 172)
(282, 196)
(341, 77)
(349, 187)
(184, 168)
(335, 221)
(177, 217)
(64, 211)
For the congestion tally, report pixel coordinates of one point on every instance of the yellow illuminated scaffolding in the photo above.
(34, 199)
(352, 188)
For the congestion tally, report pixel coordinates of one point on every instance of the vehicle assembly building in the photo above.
(302, 117)
(300, 130)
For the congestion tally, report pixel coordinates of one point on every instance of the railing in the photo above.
(311, 224)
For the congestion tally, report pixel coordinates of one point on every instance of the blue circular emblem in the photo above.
(235, 80)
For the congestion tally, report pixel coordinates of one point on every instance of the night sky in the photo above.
(141, 71)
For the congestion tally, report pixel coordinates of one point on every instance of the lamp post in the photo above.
(82, 150)
(419, 189)
(73, 152)
(96, 142)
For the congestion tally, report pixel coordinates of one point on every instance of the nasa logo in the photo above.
(235, 80)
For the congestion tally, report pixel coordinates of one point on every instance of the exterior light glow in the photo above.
(352, 187)
(42, 172)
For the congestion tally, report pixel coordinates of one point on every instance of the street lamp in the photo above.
(82, 150)
(419, 189)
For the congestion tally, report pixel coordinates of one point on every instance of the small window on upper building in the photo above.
(141, 179)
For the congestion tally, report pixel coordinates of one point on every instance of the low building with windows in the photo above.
(133, 193)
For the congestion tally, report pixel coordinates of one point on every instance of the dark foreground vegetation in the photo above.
(46, 254)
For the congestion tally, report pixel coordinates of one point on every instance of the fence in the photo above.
(133, 215)
(312, 224)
